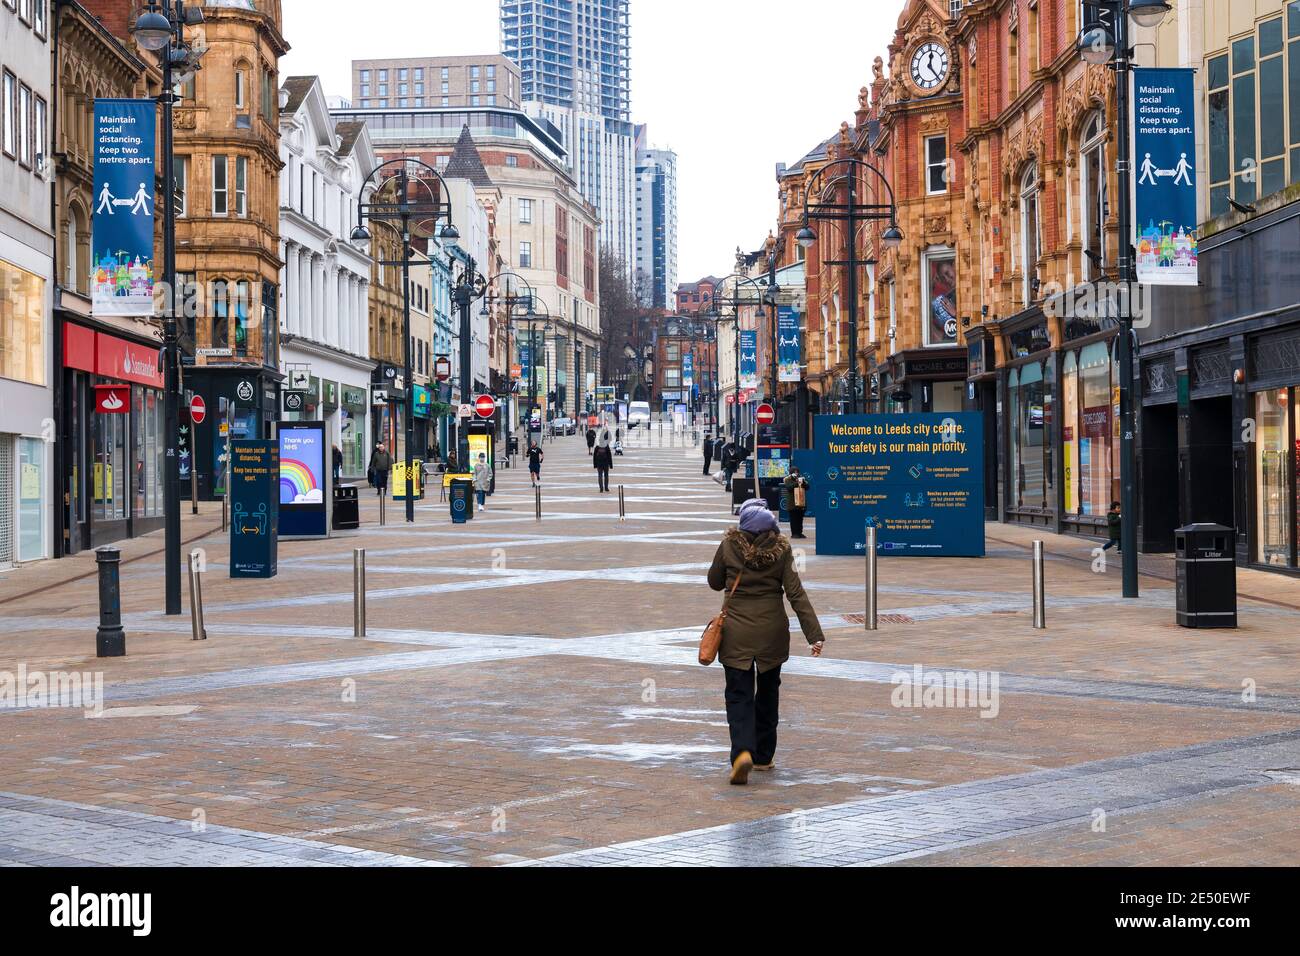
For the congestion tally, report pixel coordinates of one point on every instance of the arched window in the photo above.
(1029, 230)
(1093, 195)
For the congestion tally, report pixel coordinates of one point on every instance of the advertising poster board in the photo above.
(121, 238)
(918, 478)
(1164, 169)
(255, 508)
(304, 480)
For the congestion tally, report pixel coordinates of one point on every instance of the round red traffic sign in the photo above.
(766, 414)
(442, 368)
(198, 410)
(486, 406)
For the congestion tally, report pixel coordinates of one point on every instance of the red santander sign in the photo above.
(113, 399)
(766, 414)
(486, 406)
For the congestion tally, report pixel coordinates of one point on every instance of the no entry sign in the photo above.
(486, 406)
(442, 368)
(198, 410)
(765, 415)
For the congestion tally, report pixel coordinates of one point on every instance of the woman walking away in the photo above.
(482, 480)
(535, 458)
(603, 461)
(591, 440)
(756, 560)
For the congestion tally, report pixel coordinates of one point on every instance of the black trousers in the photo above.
(796, 521)
(602, 475)
(753, 711)
(707, 462)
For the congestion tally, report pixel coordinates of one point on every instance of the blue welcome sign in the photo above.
(1164, 171)
(122, 260)
(918, 479)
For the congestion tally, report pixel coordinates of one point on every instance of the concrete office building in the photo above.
(453, 81)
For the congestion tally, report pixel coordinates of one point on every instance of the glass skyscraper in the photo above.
(575, 72)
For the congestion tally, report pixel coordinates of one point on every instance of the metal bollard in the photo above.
(194, 489)
(110, 639)
(537, 493)
(622, 505)
(359, 592)
(383, 500)
(870, 619)
(200, 632)
(1040, 589)
(224, 515)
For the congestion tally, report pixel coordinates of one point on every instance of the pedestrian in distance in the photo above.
(728, 461)
(603, 460)
(591, 441)
(381, 463)
(796, 501)
(482, 480)
(338, 462)
(1114, 522)
(535, 458)
(755, 565)
(708, 453)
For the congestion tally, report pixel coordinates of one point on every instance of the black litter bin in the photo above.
(461, 495)
(1206, 575)
(347, 510)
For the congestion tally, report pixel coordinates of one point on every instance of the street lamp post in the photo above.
(735, 302)
(470, 286)
(1106, 40)
(164, 33)
(852, 213)
(401, 175)
(511, 302)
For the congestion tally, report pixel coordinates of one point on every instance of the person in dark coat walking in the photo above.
(535, 458)
(708, 453)
(756, 634)
(603, 461)
(338, 462)
(728, 461)
(797, 490)
(591, 440)
(381, 463)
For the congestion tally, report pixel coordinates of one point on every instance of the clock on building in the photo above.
(930, 65)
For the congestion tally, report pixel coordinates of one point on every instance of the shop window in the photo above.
(22, 327)
(31, 499)
(1030, 441)
(1095, 428)
(1274, 475)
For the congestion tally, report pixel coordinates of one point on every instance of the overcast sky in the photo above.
(734, 87)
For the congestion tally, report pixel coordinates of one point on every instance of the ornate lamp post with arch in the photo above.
(828, 208)
(409, 192)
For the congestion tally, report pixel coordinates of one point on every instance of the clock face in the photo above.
(930, 65)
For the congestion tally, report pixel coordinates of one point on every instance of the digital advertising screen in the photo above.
(304, 480)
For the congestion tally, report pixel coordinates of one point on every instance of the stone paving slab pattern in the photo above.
(527, 695)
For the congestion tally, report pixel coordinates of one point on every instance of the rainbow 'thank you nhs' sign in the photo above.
(304, 480)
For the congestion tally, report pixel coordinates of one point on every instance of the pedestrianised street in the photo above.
(528, 693)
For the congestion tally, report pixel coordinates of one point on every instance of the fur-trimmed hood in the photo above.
(757, 552)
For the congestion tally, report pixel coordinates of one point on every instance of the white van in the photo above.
(638, 413)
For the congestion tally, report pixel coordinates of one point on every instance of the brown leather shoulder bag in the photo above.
(711, 639)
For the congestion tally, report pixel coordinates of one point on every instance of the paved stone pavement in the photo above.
(527, 694)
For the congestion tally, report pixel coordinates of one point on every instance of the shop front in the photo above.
(925, 380)
(113, 412)
(1220, 376)
(242, 403)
